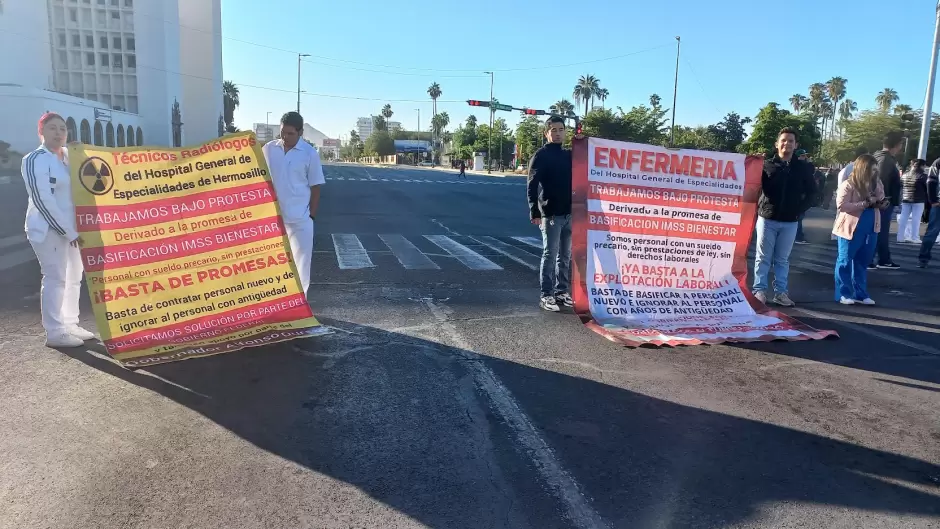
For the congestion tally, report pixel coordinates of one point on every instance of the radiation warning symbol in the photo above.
(96, 177)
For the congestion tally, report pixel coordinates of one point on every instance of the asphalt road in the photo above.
(446, 399)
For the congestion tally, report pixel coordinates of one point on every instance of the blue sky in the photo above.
(735, 56)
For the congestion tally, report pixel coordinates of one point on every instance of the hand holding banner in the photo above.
(184, 250)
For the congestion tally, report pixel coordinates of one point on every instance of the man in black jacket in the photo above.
(549, 190)
(891, 180)
(933, 224)
(787, 191)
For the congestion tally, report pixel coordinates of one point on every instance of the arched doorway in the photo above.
(120, 136)
(72, 129)
(130, 136)
(99, 134)
(109, 135)
(140, 136)
(86, 132)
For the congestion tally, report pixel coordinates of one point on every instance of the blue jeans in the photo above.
(884, 241)
(933, 229)
(555, 269)
(774, 242)
(799, 229)
(854, 256)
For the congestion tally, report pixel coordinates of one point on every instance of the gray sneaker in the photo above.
(760, 296)
(548, 303)
(564, 299)
(783, 300)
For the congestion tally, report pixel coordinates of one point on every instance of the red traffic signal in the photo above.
(533, 112)
(475, 103)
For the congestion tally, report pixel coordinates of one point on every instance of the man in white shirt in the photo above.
(297, 175)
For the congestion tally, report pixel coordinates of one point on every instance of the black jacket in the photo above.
(549, 184)
(914, 187)
(890, 176)
(787, 189)
(933, 183)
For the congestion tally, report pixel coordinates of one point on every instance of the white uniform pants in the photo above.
(909, 221)
(300, 235)
(61, 267)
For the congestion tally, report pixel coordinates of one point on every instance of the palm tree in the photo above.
(587, 87)
(229, 101)
(902, 109)
(387, 114)
(817, 96)
(435, 92)
(656, 101)
(471, 121)
(798, 102)
(836, 89)
(602, 95)
(886, 98)
(439, 122)
(846, 109)
(562, 107)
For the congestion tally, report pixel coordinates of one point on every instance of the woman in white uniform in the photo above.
(52, 232)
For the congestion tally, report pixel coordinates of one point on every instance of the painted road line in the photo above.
(407, 253)
(468, 257)
(13, 240)
(534, 242)
(17, 258)
(520, 256)
(350, 254)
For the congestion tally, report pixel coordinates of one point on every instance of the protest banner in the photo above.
(184, 251)
(659, 246)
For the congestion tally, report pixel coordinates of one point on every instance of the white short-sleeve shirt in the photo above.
(293, 173)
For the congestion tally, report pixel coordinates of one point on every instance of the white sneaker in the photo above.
(916, 241)
(867, 301)
(847, 301)
(80, 333)
(63, 339)
(783, 300)
(760, 296)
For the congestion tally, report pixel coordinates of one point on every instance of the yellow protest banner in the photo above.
(184, 250)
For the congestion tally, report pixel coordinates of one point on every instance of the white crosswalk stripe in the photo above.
(520, 256)
(350, 254)
(407, 253)
(13, 240)
(534, 242)
(468, 257)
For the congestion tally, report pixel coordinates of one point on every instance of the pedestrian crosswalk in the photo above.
(455, 181)
(433, 251)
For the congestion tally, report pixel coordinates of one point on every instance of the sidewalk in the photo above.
(496, 174)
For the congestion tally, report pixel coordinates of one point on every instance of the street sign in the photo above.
(500, 106)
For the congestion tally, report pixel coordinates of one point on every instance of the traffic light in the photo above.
(475, 103)
(533, 112)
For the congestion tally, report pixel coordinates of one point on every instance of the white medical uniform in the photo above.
(294, 172)
(50, 227)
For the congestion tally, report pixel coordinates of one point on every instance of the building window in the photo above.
(140, 136)
(109, 135)
(115, 3)
(104, 62)
(87, 1)
(131, 44)
(89, 41)
(99, 134)
(62, 39)
(118, 61)
(72, 130)
(128, 3)
(120, 136)
(104, 42)
(73, 15)
(76, 40)
(130, 136)
(115, 15)
(90, 58)
(117, 43)
(132, 61)
(101, 2)
(85, 132)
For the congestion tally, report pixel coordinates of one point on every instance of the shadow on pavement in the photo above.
(400, 418)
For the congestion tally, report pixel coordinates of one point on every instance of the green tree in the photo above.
(528, 137)
(435, 92)
(767, 125)
(602, 95)
(379, 123)
(230, 102)
(562, 107)
(387, 113)
(585, 90)
(700, 137)
(472, 121)
(799, 102)
(886, 98)
(729, 133)
(836, 89)
(380, 143)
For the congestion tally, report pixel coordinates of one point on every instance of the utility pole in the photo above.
(489, 150)
(418, 110)
(299, 55)
(928, 101)
(675, 89)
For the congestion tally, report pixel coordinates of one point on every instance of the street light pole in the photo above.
(928, 101)
(489, 149)
(267, 126)
(299, 55)
(418, 110)
(675, 89)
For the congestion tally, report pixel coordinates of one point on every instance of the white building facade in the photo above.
(122, 72)
(365, 127)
